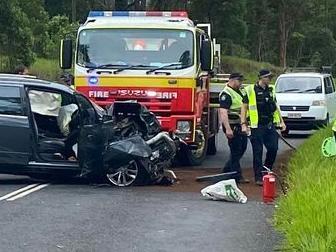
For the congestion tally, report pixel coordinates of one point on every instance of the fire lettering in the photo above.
(133, 93)
(98, 94)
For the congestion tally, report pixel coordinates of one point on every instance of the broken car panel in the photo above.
(48, 128)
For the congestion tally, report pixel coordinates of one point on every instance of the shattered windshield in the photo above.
(142, 48)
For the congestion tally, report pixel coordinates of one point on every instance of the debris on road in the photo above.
(226, 190)
(216, 177)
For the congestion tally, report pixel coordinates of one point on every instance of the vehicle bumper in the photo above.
(304, 123)
(169, 123)
(314, 118)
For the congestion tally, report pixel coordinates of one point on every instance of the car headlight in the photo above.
(319, 103)
(183, 126)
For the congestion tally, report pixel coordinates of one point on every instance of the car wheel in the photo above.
(132, 173)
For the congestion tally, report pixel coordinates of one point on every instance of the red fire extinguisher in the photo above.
(269, 186)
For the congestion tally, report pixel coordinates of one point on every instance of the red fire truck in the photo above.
(161, 59)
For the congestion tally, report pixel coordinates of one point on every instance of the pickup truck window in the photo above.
(10, 101)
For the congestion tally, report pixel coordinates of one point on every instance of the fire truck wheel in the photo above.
(212, 149)
(196, 156)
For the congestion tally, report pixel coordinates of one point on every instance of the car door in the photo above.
(92, 139)
(333, 99)
(15, 131)
(329, 91)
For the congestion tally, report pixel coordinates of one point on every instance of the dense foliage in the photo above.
(283, 32)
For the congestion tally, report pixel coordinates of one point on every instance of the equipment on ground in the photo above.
(269, 186)
(328, 147)
(216, 177)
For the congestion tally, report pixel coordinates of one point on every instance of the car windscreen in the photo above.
(299, 85)
(143, 48)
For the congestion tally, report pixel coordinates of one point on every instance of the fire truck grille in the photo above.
(158, 107)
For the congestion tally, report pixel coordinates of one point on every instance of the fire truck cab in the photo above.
(161, 59)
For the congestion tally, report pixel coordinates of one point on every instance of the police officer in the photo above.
(264, 118)
(231, 100)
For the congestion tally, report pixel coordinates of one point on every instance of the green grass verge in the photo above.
(47, 69)
(248, 68)
(307, 215)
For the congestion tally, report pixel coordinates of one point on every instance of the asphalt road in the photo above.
(76, 216)
(218, 161)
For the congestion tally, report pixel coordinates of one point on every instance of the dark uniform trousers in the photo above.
(237, 146)
(263, 135)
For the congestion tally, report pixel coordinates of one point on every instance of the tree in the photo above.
(288, 16)
(168, 5)
(261, 20)
(38, 19)
(16, 34)
(227, 19)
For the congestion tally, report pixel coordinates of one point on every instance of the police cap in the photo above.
(265, 73)
(236, 76)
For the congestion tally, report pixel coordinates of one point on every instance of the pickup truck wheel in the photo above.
(212, 149)
(129, 174)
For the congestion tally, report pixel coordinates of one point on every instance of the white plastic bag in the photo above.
(224, 190)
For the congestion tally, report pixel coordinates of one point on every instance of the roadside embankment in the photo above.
(307, 215)
(248, 67)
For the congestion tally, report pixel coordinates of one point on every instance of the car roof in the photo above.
(32, 81)
(306, 74)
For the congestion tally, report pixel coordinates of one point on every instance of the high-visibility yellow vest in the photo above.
(237, 102)
(253, 110)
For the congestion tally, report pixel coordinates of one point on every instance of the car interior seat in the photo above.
(47, 147)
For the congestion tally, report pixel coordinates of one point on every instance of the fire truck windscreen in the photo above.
(145, 47)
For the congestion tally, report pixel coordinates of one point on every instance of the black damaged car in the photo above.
(49, 129)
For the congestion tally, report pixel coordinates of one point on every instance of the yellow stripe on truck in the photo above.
(136, 81)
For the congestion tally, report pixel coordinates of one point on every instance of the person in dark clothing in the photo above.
(264, 118)
(231, 100)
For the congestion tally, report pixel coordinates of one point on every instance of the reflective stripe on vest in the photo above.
(237, 101)
(253, 109)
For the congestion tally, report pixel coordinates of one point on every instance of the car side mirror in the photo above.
(206, 55)
(66, 54)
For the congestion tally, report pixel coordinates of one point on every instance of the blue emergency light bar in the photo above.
(93, 14)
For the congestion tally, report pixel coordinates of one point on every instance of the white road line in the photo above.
(25, 193)
(17, 192)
